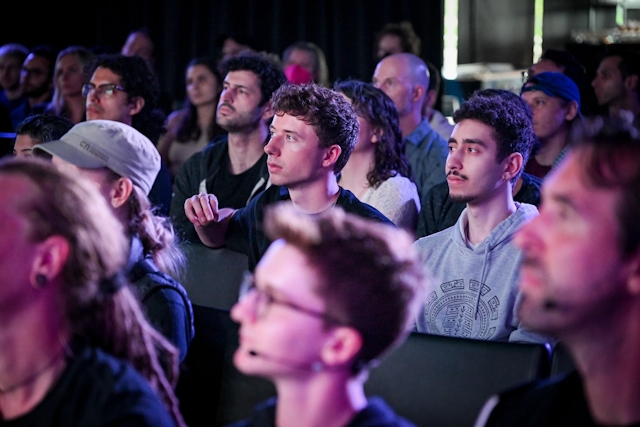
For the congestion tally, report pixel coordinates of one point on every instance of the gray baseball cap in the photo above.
(108, 144)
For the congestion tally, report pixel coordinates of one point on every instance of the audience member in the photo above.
(559, 61)
(616, 83)
(71, 331)
(579, 278)
(321, 311)
(305, 62)
(125, 89)
(313, 134)
(234, 166)
(139, 43)
(12, 56)
(233, 43)
(554, 100)
(71, 73)
(396, 37)
(36, 80)
(405, 78)
(474, 262)
(38, 129)
(437, 120)
(191, 128)
(440, 212)
(124, 164)
(377, 171)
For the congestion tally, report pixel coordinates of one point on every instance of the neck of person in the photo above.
(353, 176)
(630, 103)
(606, 350)
(33, 101)
(410, 121)
(13, 93)
(246, 147)
(486, 213)
(317, 195)
(326, 399)
(33, 352)
(76, 107)
(552, 146)
(206, 114)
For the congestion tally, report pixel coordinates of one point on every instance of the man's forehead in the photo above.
(242, 77)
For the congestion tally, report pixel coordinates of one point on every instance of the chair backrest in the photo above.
(212, 392)
(443, 381)
(213, 275)
(561, 360)
(199, 385)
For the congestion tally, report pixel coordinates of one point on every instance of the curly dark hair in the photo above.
(508, 115)
(138, 79)
(267, 67)
(373, 105)
(188, 129)
(333, 117)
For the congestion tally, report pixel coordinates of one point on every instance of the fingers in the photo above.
(201, 209)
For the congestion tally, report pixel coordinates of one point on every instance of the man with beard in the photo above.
(36, 79)
(234, 166)
(580, 279)
(474, 262)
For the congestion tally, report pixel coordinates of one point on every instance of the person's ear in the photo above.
(377, 135)
(418, 93)
(631, 82)
(512, 165)
(572, 111)
(331, 156)
(48, 263)
(342, 346)
(267, 111)
(633, 274)
(120, 192)
(136, 104)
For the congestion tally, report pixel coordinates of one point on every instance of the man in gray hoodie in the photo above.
(475, 265)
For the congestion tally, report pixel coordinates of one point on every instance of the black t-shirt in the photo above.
(96, 390)
(558, 401)
(376, 414)
(233, 191)
(245, 232)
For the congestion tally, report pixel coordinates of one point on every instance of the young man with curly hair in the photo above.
(474, 262)
(313, 134)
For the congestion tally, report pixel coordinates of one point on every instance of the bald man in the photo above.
(404, 77)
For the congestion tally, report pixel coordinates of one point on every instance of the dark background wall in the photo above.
(344, 29)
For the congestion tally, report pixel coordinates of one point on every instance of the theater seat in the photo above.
(440, 381)
(561, 360)
(212, 392)
(213, 275)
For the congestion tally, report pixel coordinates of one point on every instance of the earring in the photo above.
(41, 280)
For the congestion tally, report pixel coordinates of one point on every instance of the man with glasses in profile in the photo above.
(332, 295)
(125, 89)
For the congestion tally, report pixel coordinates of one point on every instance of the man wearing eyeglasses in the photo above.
(36, 79)
(125, 89)
(332, 295)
